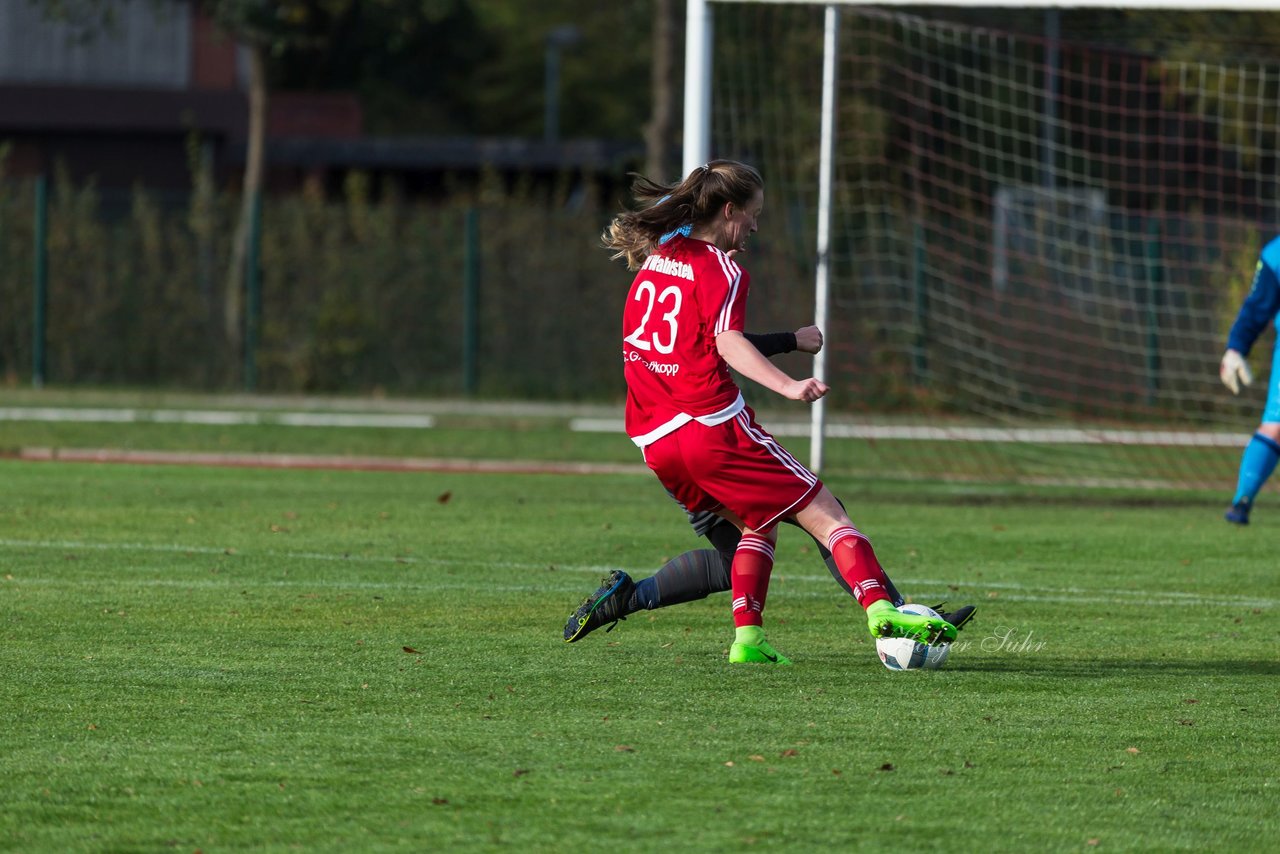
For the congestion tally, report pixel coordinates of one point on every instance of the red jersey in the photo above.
(686, 294)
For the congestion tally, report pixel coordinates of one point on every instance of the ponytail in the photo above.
(634, 235)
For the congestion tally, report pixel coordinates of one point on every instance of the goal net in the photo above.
(1037, 243)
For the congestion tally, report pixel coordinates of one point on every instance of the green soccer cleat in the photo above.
(886, 621)
(752, 648)
(741, 653)
(607, 605)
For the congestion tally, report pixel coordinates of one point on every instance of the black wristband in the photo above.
(772, 343)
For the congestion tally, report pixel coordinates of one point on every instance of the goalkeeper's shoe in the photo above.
(1238, 514)
(886, 621)
(607, 605)
(959, 616)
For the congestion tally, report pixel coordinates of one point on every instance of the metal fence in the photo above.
(504, 294)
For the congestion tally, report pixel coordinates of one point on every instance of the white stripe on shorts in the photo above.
(780, 453)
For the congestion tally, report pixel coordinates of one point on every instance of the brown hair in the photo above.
(633, 235)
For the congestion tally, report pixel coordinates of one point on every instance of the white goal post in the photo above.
(697, 149)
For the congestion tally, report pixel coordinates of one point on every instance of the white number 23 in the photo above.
(671, 293)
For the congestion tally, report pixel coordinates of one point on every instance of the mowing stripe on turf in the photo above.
(566, 588)
(995, 590)
(337, 462)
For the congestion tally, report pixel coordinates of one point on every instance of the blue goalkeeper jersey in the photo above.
(1263, 303)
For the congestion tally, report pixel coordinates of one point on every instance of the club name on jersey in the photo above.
(669, 266)
(665, 369)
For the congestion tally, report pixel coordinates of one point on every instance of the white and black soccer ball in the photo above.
(906, 654)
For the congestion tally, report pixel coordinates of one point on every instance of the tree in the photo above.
(261, 26)
(413, 64)
(659, 131)
(269, 30)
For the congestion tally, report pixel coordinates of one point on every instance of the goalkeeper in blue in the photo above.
(1260, 309)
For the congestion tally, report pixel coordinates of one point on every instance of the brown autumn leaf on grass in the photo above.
(411, 650)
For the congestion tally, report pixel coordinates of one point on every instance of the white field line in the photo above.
(992, 592)
(575, 591)
(215, 417)
(1039, 436)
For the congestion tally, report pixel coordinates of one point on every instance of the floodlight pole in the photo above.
(699, 27)
(41, 283)
(559, 38)
(822, 275)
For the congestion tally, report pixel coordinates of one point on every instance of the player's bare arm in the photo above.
(744, 358)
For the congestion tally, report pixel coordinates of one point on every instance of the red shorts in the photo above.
(736, 465)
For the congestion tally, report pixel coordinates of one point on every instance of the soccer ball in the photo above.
(906, 654)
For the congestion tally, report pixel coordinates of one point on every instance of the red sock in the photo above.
(857, 562)
(749, 575)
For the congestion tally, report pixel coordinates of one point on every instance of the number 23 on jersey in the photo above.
(656, 332)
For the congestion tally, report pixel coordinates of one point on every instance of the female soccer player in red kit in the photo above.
(682, 330)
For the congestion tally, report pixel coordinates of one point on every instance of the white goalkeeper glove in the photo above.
(1234, 371)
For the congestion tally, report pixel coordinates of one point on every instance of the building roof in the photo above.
(403, 153)
(37, 109)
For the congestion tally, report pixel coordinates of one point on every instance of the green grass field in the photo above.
(217, 659)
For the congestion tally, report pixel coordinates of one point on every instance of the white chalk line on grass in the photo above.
(571, 590)
(229, 551)
(269, 554)
(995, 590)
(214, 417)
(930, 433)
(1020, 435)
